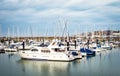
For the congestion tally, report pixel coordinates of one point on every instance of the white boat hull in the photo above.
(10, 49)
(46, 56)
(83, 54)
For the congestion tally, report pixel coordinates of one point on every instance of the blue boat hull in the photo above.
(87, 51)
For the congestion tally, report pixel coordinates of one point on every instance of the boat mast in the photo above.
(31, 32)
(67, 34)
(8, 38)
(0, 31)
(18, 34)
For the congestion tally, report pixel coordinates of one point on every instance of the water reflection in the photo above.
(89, 57)
(45, 68)
(11, 54)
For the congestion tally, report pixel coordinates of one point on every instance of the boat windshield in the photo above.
(58, 50)
(34, 50)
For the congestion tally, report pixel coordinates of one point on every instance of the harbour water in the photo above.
(107, 63)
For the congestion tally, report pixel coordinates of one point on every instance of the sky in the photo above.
(48, 17)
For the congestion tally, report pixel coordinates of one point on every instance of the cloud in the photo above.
(47, 12)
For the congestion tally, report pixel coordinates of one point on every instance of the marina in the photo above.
(69, 55)
(60, 38)
(86, 54)
(57, 49)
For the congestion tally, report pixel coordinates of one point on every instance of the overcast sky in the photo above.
(49, 16)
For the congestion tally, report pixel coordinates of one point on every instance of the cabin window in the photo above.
(34, 50)
(45, 51)
(58, 50)
(23, 52)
